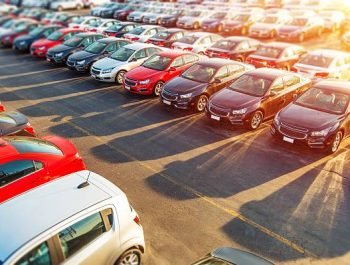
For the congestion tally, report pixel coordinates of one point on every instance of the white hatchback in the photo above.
(81, 218)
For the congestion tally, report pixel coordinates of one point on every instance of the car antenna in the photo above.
(85, 183)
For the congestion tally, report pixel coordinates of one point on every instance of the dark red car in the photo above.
(39, 48)
(167, 37)
(278, 55)
(6, 39)
(150, 77)
(27, 162)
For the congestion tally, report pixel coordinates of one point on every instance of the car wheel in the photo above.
(60, 8)
(256, 120)
(158, 88)
(79, 6)
(201, 103)
(333, 147)
(301, 37)
(244, 31)
(220, 28)
(130, 257)
(119, 77)
(196, 25)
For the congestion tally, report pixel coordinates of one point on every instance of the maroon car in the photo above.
(319, 118)
(167, 37)
(278, 55)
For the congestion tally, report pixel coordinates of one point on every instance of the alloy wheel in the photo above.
(130, 259)
(336, 142)
(158, 88)
(201, 103)
(120, 77)
(256, 120)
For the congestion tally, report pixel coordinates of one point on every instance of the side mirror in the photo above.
(172, 69)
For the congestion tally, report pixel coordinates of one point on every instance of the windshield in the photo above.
(225, 44)
(95, 23)
(242, 18)
(219, 15)
(123, 54)
(55, 35)
(62, 17)
(324, 100)
(157, 62)
(251, 85)
(188, 39)
(199, 73)
(268, 20)
(78, 20)
(34, 145)
(317, 60)
(7, 24)
(96, 47)
(137, 31)
(266, 51)
(20, 27)
(298, 22)
(73, 42)
(36, 31)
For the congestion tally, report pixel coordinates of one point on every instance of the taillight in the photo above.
(271, 64)
(29, 129)
(137, 220)
(321, 75)
(188, 49)
(134, 39)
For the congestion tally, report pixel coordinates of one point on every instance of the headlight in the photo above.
(239, 112)
(22, 43)
(276, 120)
(81, 62)
(59, 54)
(186, 95)
(324, 132)
(107, 71)
(144, 82)
(41, 48)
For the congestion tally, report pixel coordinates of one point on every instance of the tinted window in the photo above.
(199, 73)
(234, 69)
(38, 256)
(316, 60)
(152, 51)
(123, 54)
(190, 58)
(32, 145)
(157, 62)
(111, 47)
(177, 62)
(55, 35)
(221, 73)
(277, 85)
(15, 170)
(80, 234)
(251, 85)
(140, 54)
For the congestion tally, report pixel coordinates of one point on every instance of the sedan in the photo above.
(319, 118)
(27, 162)
(101, 25)
(167, 37)
(267, 26)
(82, 22)
(256, 96)
(214, 23)
(170, 20)
(196, 42)
(143, 33)
(82, 61)
(114, 67)
(61, 5)
(60, 53)
(120, 29)
(192, 19)
(276, 55)
(15, 123)
(193, 87)
(240, 23)
(149, 78)
(40, 47)
(7, 38)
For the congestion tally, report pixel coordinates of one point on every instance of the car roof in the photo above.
(67, 30)
(281, 45)
(200, 34)
(328, 52)
(216, 62)
(56, 200)
(173, 53)
(88, 34)
(150, 26)
(269, 73)
(172, 30)
(111, 39)
(336, 85)
(139, 45)
(239, 257)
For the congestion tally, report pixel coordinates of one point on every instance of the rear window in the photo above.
(24, 145)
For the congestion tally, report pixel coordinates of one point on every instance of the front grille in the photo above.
(130, 82)
(293, 131)
(50, 56)
(223, 112)
(95, 71)
(169, 95)
(70, 63)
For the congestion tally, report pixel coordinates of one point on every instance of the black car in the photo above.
(171, 19)
(118, 30)
(194, 86)
(109, 12)
(167, 37)
(15, 123)
(22, 43)
(234, 48)
(60, 53)
(82, 60)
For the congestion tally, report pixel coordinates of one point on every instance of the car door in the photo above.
(179, 65)
(274, 99)
(293, 87)
(220, 75)
(112, 47)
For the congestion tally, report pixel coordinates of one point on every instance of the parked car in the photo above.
(109, 11)
(196, 42)
(324, 63)
(279, 55)
(333, 20)
(10, 25)
(39, 48)
(6, 39)
(61, 5)
(268, 26)
(15, 123)
(240, 23)
(27, 162)
(137, 14)
(167, 37)
(62, 19)
(169, 20)
(23, 43)
(120, 29)
(154, 16)
(227, 255)
(82, 61)
(256, 96)
(114, 67)
(318, 118)
(192, 19)
(193, 87)
(82, 22)
(143, 33)
(60, 53)
(234, 48)
(101, 25)
(301, 28)
(150, 77)
(103, 226)
(214, 23)
(123, 13)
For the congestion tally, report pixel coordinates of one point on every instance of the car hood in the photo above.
(107, 62)
(263, 26)
(25, 38)
(20, 123)
(82, 55)
(61, 48)
(146, 73)
(300, 116)
(182, 85)
(233, 100)
(309, 68)
(289, 29)
(150, 15)
(45, 42)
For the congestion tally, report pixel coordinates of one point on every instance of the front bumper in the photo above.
(177, 102)
(140, 89)
(99, 76)
(53, 59)
(168, 23)
(225, 116)
(184, 25)
(232, 30)
(39, 53)
(288, 37)
(20, 46)
(77, 67)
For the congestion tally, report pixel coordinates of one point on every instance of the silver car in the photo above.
(61, 5)
(113, 68)
(196, 42)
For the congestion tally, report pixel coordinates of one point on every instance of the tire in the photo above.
(158, 88)
(78, 7)
(119, 77)
(256, 119)
(60, 8)
(201, 103)
(196, 25)
(130, 257)
(301, 37)
(333, 147)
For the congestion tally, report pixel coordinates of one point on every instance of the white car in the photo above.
(143, 33)
(4, 8)
(113, 68)
(81, 218)
(196, 42)
(83, 22)
(61, 5)
(332, 19)
(93, 3)
(102, 24)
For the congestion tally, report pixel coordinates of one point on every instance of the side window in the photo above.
(152, 51)
(221, 73)
(205, 40)
(234, 69)
(80, 234)
(177, 62)
(86, 42)
(40, 255)
(47, 32)
(127, 28)
(151, 32)
(111, 47)
(188, 58)
(123, 43)
(291, 80)
(67, 36)
(140, 54)
(288, 53)
(15, 170)
(277, 86)
(98, 37)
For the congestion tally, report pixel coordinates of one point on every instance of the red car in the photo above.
(27, 162)
(24, 28)
(150, 77)
(2, 107)
(39, 48)
(278, 55)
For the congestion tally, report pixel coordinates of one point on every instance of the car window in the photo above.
(243, 46)
(221, 73)
(67, 36)
(291, 80)
(39, 255)
(86, 42)
(122, 43)
(15, 170)
(277, 85)
(189, 58)
(340, 61)
(151, 32)
(48, 32)
(34, 145)
(111, 47)
(140, 54)
(108, 24)
(152, 51)
(205, 41)
(80, 234)
(98, 38)
(127, 28)
(234, 69)
(288, 53)
(177, 62)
